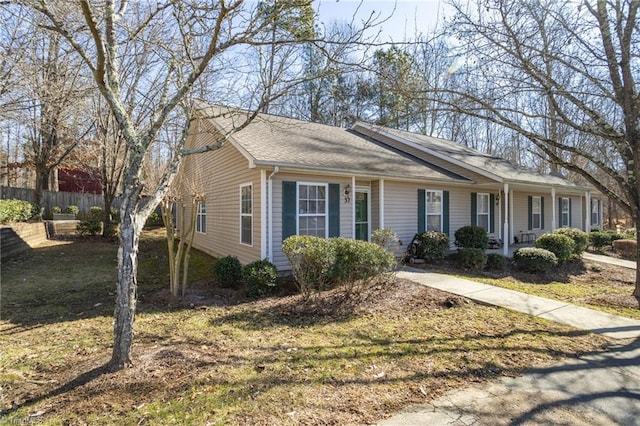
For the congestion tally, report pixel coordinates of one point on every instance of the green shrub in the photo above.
(95, 212)
(613, 236)
(580, 239)
(625, 248)
(89, 227)
(599, 240)
(471, 237)
(386, 238)
(432, 246)
(56, 210)
(319, 264)
(495, 262)
(15, 211)
(311, 259)
(260, 278)
(111, 230)
(357, 260)
(471, 258)
(74, 210)
(560, 245)
(531, 259)
(227, 272)
(154, 219)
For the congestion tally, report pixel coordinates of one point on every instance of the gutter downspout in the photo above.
(269, 229)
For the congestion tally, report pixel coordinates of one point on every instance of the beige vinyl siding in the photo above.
(375, 205)
(219, 174)
(521, 212)
(346, 210)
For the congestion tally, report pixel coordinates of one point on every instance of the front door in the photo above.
(362, 215)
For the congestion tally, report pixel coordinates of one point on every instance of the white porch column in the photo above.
(499, 216)
(264, 253)
(381, 203)
(553, 209)
(353, 207)
(587, 207)
(507, 238)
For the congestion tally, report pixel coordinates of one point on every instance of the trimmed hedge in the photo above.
(260, 278)
(580, 239)
(16, 211)
(471, 258)
(495, 262)
(318, 264)
(471, 237)
(625, 248)
(432, 246)
(227, 272)
(534, 260)
(89, 228)
(560, 245)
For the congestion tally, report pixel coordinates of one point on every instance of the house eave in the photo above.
(426, 150)
(307, 169)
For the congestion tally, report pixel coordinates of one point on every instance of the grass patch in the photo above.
(231, 360)
(600, 286)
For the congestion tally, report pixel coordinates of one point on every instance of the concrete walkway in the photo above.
(562, 312)
(598, 389)
(630, 264)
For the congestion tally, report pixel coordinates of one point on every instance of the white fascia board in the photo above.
(318, 170)
(429, 151)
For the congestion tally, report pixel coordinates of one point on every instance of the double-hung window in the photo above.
(433, 209)
(595, 212)
(246, 214)
(564, 213)
(312, 209)
(536, 213)
(483, 211)
(201, 218)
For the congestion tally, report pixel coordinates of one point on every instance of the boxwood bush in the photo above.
(319, 264)
(599, 240)
(227, 272)
(495, 262)
(432, 246)
(471, 258)
(89, 228)
(625, 248)
(560, 245)
(260, 278)
(15, 210)
(580, 239)
(534, 260)
(471, 237)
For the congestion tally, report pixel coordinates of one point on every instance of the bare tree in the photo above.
(185, 39)
(564, 75)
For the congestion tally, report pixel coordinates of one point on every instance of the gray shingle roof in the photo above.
(506, 170)
(273, 140)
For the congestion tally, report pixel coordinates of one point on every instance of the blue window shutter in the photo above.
(474, 208)
(334, 210)
(600, 213)
(529, 212)
(559, 212)
(569, 224)
(289, 215)
(422, 211)
(445, 212)
(542, 212)
(492, 213)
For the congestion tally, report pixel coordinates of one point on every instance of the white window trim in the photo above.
(539, 213)
(326, 206)
(250, 215)
(426, 209)
(488, 213)
(201, 217)
(562, 212)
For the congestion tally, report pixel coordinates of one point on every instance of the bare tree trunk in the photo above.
(42, 184)
(636, 290)
(127, 289)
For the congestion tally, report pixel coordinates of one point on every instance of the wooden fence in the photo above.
(58, 198)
